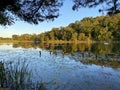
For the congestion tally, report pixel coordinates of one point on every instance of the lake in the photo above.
(63, 66)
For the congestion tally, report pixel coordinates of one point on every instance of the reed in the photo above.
(17, 76)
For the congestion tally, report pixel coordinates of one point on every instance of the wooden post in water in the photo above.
(50, 52)
(89, 53)
(55, 52)
(82, 54)
(63, 53)
(106, 56)
(40, 53)
(96, 56)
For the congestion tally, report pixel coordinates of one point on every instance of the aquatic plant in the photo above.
(2, 74)
(16, 75)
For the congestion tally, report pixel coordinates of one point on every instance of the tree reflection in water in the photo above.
(95, 53)
(62, 66)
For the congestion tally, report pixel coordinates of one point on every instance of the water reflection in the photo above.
(96, 53)
(67, 66)
(96, 48)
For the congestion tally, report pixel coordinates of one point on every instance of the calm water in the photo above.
(68, 66)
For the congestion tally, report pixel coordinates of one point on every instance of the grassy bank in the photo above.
(54, 41)
(4, 41)
(12, 41)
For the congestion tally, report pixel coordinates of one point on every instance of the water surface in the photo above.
(68, 66)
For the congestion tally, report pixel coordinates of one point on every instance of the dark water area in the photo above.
(61, 66)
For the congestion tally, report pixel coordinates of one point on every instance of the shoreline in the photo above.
(57, 41)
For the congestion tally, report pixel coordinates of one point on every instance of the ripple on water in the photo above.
(64, 73)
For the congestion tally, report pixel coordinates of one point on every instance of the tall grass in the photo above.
(2, 74)
(17, 76)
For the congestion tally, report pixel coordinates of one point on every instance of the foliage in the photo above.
(31, 11)
(96, 53)
(2, 74)
(16, 76)
(35, 11)
(102, 28)
(111, 6)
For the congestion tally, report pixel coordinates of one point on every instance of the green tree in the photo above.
(26, 37)
(105, 35)
(112, 6)
(74, 36)
(35, 11)
(102, 28)
(42, 36)
(31, 11)
(86, 26)
(52, 35)
(15, 37)
(55, 30)
(69, 32)
(81, 37)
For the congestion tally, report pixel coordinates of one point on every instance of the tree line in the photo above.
(101, 28)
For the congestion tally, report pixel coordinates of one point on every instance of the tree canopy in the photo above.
(111, 6)
(102, 28)
(31, 11)
(35, 11)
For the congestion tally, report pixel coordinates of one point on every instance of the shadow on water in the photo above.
(17, 76)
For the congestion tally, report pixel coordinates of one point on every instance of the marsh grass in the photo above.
(2, 74)
(17, 76)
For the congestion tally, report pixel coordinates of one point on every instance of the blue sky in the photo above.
(67, 16)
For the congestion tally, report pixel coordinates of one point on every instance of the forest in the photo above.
(101, 28)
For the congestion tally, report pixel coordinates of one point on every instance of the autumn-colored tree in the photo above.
(102, 28)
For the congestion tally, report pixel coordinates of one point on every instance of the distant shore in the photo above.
(55, 41)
